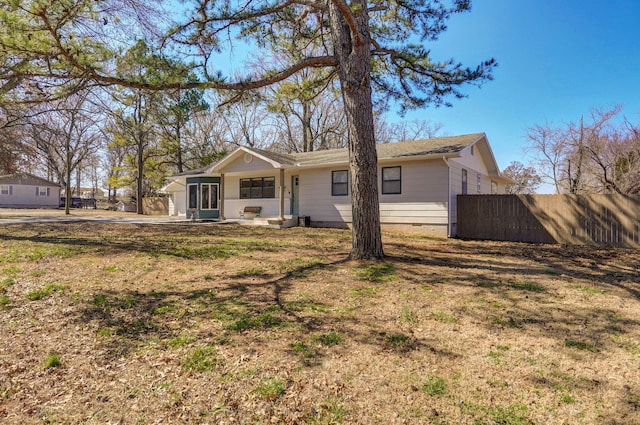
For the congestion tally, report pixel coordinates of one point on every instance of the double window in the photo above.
(209, 196)
(391, 180)
(258, 187)
(205, 199)
(340, 183)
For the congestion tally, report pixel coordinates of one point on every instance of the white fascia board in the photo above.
(241, 151)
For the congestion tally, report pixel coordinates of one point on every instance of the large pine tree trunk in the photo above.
(352, 51)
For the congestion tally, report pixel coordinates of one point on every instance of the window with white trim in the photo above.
(494, 187)
(42, 191)
(5, 190)
(192, 197)
(391, 180)
(479, 183)
(209, 196)
(340, 183)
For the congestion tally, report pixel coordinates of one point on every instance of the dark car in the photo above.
(75, 202)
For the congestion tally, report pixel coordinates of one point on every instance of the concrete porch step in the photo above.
(272, 222)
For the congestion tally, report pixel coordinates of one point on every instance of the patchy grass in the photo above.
(580, 345)
(527, 286)
(435, 386)
(329, 339)
(52, 361)
(227, 324)
(271, 389)
(38, 294)
(263, 320)
(201, 359)
(377, 273)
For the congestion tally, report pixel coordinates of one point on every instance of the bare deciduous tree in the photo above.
(526, 179)
(597, 155)
(65, 133)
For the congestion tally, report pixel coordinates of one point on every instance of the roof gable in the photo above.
(246, 158)
(26, 179)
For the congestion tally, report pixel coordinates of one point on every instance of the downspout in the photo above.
(446, 161)
(222, 217)
(281, 205)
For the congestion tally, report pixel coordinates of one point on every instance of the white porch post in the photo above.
(222, 217)
(281, 206)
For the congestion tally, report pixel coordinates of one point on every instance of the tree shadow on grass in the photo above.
(175, 240)
(233, 310)
(613, 267)
(525, 305)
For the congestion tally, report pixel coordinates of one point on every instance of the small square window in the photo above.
(5, 190)
(340, 183)
(42, 191)
(391, 180)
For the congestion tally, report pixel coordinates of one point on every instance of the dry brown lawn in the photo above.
(222, 324)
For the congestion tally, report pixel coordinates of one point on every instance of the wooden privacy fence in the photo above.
(566, 219)
(155, 206)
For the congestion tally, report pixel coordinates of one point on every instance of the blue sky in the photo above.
(557, 60)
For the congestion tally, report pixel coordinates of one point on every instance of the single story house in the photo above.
(24, 190)
(417, 181)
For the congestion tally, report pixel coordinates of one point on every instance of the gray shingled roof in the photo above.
(194, 172)
(281, 158)
(426, 147)
(26, 178)
(413, 148)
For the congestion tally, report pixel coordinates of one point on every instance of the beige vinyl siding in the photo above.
(240, 166)
(315, 198)
(474, 166)
(455, 173)
(25, 196)
(472, 162)
(414, 213)
(422, 181)
(178, 203)
(422, 201)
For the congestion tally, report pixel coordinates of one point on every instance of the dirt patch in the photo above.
(223, 324)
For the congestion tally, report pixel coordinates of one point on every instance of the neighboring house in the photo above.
(24, 190)
(89, 193)
(418, 182)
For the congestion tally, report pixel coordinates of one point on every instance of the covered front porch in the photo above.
(256, 189)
